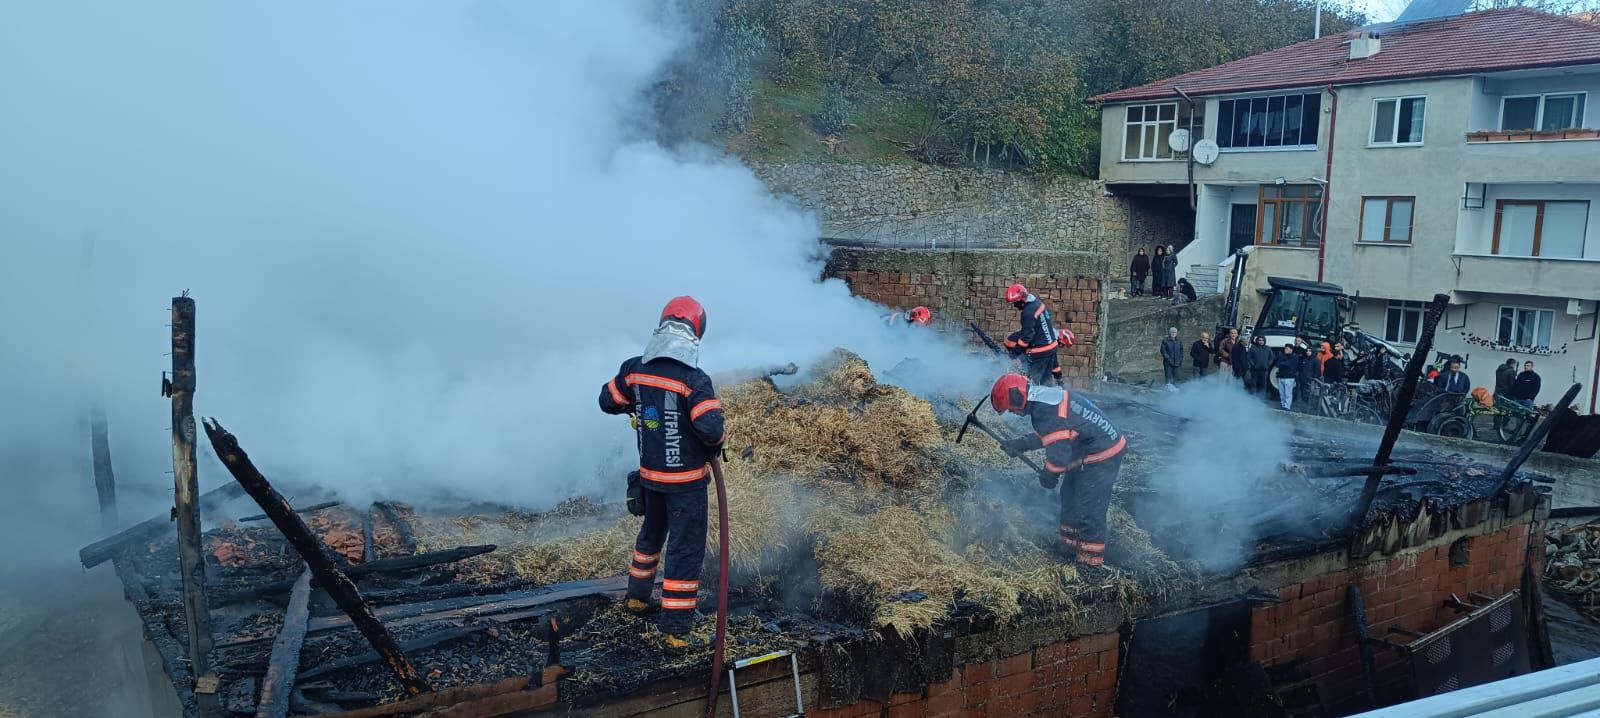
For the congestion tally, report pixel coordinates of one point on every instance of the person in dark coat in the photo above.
(1158, 272)
(1333, 367)
(1378, 363)
(1308, 369)
(1261, 359)
(1171, 358)
(1452, 380)
(1138, 271)
(1169, 264)
(1185, 290)
(1526, 388)
(1505, 376)
(1241, 357)
(1288, 365)
(1200, 355)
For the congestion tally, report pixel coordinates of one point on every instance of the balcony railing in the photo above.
(1573, 133)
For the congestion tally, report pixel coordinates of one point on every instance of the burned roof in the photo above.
(955, 535)
(1486, 41)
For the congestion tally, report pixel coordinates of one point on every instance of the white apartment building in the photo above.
(1456, 155)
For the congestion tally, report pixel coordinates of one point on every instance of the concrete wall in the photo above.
(1247, 166)
(962, 286)
(1135, 328)
(919, 206)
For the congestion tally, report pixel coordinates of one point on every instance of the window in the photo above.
(1290, 216)
(1404, 321)
(1277, 121)
(1542, 112)
(1398, 120)
(1386, 219)
(1147, 129)
(1522, 327)
(1540, 228)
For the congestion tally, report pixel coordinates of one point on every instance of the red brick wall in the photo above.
(956, 300)
(1313, 623)
(1074, 678)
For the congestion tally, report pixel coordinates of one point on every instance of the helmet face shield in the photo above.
(1016, 293)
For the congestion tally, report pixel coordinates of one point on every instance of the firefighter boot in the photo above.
(676, 643)
(636, 606)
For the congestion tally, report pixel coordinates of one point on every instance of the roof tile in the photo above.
(1485, 41)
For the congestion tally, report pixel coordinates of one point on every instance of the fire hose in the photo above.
(722, 587)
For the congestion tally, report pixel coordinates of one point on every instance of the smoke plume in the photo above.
(420, 235)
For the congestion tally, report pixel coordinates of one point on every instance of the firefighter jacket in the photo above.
(679, 420)
(1070, 428)
(1038, 333)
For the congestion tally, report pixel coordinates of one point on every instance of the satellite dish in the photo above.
(1178, 140)
(1205, 152)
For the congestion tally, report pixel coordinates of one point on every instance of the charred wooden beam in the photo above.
(307, 510)
(408, 538)
(278, 684)
(427, 640)
(1536, 437)
(105, 481)
(1402, 405)
(484, 605)
(191, 561)
(385, 565)
(485, 699)
(316, 555)
(151, 529)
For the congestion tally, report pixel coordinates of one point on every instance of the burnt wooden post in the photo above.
(323, 567)
(192, 567)
(1402, 406)
(105, 482)
(278, 683)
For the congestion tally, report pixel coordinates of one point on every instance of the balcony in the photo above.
(1575, 133)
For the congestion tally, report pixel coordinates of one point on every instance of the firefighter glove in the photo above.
(1017, 446)
(635, 494)
(1048, 479)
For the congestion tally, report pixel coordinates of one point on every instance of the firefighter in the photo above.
(918, 316)
(1080, 444)
(679, 424)
(1037, 341)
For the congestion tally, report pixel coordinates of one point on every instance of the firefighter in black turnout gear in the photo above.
(678, 420)
(1037, 341)
(1080, 445)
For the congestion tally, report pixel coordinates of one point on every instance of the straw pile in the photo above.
(863, 479)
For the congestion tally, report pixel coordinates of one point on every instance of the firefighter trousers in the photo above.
(1085, 499)
(676, 521)
(1044, 369)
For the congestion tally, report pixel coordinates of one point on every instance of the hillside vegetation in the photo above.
(950, 82)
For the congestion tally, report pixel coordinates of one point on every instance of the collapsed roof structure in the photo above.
(866, 542)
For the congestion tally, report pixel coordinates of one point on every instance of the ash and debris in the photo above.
(855, 514)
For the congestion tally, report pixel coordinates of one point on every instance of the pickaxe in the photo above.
(972, 420)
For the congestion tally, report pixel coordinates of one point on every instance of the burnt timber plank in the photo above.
(439, 699)
(316, 555)
(396, 564)
(278, 683)
(485, 605)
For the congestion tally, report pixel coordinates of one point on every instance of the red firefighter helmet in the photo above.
(1016, 293)
(1010, 393)
(1066, 337)
(920, 316)
(688, 311)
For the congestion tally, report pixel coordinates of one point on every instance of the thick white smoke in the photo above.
(420, 236)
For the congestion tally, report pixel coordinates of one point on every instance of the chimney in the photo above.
(1364, 46)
